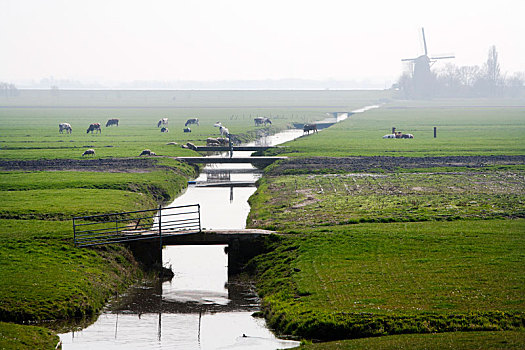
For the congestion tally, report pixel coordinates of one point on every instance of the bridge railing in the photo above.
(135, 225)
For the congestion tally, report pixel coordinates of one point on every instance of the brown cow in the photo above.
(94, 127)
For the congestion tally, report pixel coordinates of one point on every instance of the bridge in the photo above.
(145, 232)
(233, 148)
(257, 161)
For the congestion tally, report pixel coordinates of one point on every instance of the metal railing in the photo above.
(135, 225)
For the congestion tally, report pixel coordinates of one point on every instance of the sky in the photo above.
(211, 40)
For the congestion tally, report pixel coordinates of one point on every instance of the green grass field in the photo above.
(403, 252)
(461, 130)
(30, 121)
(323, 200)
(353, 281)
(455, 340)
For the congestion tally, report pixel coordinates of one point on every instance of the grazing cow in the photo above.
(88, 152)
(223, 140)
(163, 121)
(186, 130)
(262, 121)
(309, 127)
(164, 129)
(64, 126)
(147, 152)
(112, 122)
(224, 131)
(94, 127)
(407, 136)
(210, 141)
(192, 121)
(389, 136)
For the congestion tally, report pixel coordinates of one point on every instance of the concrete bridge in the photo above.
(243, 245)
(256, 161)
(145, 232)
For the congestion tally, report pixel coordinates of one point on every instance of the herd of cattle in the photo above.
(220, 141)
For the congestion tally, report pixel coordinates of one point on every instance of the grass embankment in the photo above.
(13, 336)
(437, 341)
(43, 275)
(363, 280)
(399, 251)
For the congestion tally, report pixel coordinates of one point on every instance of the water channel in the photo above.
(201, 307)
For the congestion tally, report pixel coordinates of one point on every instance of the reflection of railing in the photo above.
(135, 225)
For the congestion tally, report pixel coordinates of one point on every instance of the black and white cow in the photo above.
(112, 122)
(162, 122)
(94, 127)
(192, 121)
(66, 127)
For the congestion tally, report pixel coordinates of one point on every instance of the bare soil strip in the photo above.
(359, 164)
(103, 165)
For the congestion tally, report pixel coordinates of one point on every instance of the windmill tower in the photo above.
(422, 77)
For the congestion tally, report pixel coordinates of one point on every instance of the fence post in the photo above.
(199, 210)
(160, 240)
(160, 226)
(116, 223)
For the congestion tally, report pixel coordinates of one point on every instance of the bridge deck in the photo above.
(235, 148)
(204, 237)
(211, 160)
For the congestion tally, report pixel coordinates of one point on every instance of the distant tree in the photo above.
(492, 71)
(8, 89)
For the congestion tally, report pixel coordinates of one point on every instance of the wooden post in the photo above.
(160, 237)
(231, 145)
(435, 132)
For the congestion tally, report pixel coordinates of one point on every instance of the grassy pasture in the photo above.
(43, 275)
(325, 200)
(30, 121)
(352, 281)
(13, 336)
(437, 341)
(461, 130)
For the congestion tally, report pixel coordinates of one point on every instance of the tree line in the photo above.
(467, 81)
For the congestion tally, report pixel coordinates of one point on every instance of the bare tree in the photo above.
(492, 70)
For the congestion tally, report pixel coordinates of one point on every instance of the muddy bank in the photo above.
(103, 165)
(359, 164)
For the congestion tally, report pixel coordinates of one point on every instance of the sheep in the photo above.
(147, 152)
(88, 152)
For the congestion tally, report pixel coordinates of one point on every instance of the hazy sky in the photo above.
(126, 40)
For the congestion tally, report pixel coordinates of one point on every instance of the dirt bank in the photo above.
(359, 164)
(104, 165)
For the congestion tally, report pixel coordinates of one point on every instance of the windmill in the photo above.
(421, 75)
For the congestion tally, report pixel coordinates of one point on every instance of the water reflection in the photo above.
(201, 307)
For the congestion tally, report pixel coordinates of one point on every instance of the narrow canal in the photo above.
(201, 307)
